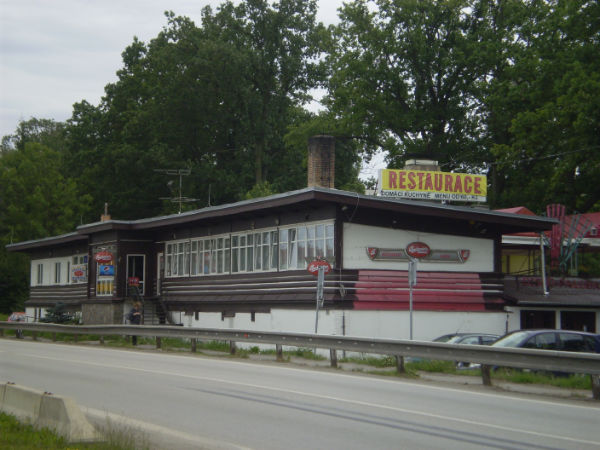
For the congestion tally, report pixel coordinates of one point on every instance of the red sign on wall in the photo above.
(313, 267)
(103, 256)
(418, 250)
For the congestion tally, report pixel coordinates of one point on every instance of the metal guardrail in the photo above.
(547, 360)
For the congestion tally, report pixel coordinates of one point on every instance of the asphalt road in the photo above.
(201, 402)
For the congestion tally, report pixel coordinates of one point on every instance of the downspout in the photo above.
(543, 257)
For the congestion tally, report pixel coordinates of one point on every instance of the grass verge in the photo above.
(15, 435)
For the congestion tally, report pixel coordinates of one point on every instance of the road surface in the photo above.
(202, 402)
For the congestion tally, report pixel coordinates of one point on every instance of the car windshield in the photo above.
(512, 340)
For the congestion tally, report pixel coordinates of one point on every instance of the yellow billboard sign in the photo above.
(427, 185)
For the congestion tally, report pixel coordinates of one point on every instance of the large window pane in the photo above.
(301, 254)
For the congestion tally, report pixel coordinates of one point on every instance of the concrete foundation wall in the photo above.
(102, 313)
(427, 325)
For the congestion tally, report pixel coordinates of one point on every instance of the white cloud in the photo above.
(54, 53)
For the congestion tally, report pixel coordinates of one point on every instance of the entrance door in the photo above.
(136, 267)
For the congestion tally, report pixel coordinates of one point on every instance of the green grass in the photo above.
(15, 435)
(573, 381)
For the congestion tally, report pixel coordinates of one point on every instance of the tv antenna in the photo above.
(181, 173)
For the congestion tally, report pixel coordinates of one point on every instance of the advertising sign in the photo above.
(428, 185)
(418, 250)
(106, 270)
(103, 256)
(78, 273)
(313, 267)
(422, 252)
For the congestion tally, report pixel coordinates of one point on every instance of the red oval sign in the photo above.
(313, 267)
(418, 250)
(78, 273)
(103, 256)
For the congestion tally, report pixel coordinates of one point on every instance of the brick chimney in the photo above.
(321, 161)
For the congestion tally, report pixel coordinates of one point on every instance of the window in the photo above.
(79, 259)
(288, 248)
(300, 245)
(252, 252)
(57, 268)
(178, 259)
(40, 274)
(543, 341)
(104, 286)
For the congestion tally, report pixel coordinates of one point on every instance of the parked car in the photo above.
(563, 340)
(468, 338)
(473, 339)
(18, 317)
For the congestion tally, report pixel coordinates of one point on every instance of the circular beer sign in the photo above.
(313, 267)
(418, 250)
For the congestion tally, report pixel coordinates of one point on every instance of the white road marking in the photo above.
(327, 397)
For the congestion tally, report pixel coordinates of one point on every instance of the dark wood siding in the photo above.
(73, 294)
(255, 291)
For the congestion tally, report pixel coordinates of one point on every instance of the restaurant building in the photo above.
(244, 265)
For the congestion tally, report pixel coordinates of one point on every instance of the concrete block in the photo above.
(2, 390)
(21, 402)
(62, 415)
(44, 410)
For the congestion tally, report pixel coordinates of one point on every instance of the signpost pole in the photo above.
(412, 280)
(320, 282)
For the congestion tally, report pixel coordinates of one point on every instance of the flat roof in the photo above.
(509, 221)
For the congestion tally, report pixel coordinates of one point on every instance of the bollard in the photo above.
(75, 337)
(101, 340)
(486, 376)
(400, 364)
(333, 357)
(1, 332)
(34, 335)
(232, 347)
(158, 342)
(279, 352)
(193, 341)
(53, 337)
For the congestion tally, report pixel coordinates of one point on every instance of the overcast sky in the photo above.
(54, 53)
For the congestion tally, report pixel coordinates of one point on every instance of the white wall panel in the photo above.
(358, 237)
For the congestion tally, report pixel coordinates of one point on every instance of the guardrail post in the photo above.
(193, 341)
(34, 335)
(333, 357)
(101, 340)
(279, 352)
(400, 364)
(232, 347)
(158, 342)
(53, 337)
(596, 387)
(486, 376)
(75, 337)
